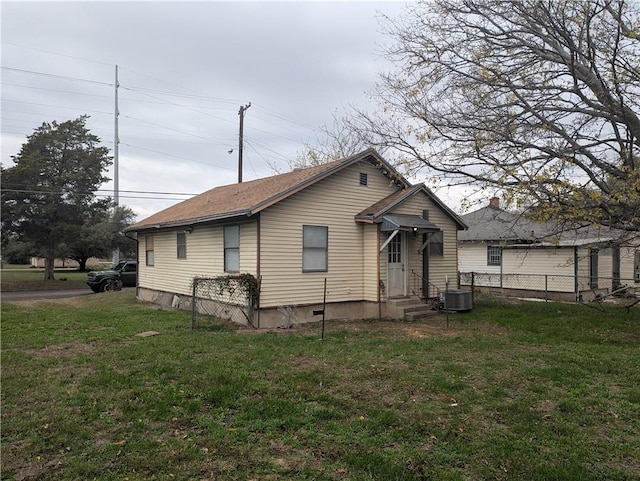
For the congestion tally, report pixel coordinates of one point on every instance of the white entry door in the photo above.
(396, 274)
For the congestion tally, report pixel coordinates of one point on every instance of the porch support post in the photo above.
(426, 242)
(395, 233)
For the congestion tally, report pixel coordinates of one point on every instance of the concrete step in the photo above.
(405, 301)
(416, 308)
(419, 314)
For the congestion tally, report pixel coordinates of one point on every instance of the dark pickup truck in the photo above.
(123, 274)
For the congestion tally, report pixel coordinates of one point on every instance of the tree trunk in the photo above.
(49, 263)
(82, 264)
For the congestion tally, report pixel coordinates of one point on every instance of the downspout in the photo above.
(378, 270)
(258, 268)
(575, 273)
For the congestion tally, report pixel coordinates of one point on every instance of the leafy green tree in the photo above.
(538, 99)
(49, 192)
(100, 234)
(16, 252)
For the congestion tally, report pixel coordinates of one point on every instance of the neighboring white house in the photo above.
(507, 251)
(64, 263)
(355, 222)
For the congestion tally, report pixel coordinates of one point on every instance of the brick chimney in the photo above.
(494, 202)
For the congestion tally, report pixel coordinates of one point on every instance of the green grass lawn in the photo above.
(518, 391)
(25, 278)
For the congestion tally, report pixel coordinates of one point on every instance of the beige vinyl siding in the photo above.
(605, 268)
(371, 250)
(440, 268)
(332, 202)
(473, 258)
(627, 259)
(540, 261)
(540, 269)
(583, 269)
(205, 258)
(383, 264)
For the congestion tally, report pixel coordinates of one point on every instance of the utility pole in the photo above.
(116, 141)
(243, 109)
(116, 181)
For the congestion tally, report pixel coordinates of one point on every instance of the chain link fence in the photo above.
(549, 286)
(233, 298)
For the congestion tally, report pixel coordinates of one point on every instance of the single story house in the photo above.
(356, 222)
(508, 251)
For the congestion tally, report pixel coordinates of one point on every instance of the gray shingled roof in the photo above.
(492, 224)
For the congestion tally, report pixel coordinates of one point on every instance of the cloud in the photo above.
(185, 68)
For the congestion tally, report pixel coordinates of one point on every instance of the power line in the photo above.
(177, 157)
(183, 106)
(151, 195)
(169, 128)
(55, 90)
(191, 96)
(56, 53)
(57, 106)
(74, 79)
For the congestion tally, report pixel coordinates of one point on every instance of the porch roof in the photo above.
(374, 213)
(412, 223)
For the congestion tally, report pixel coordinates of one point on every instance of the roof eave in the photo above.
(192, 221)
(412, 191)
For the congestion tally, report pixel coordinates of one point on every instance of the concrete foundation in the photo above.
(279, 316)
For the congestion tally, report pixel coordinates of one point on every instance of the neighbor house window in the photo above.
(181, 243)
(363, 179)
(232, 248)
(436, 244)
(315, 246)
(494, 256)
(149, 250)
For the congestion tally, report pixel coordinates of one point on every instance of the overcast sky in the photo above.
(184, 69)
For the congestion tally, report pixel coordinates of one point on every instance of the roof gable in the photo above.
(249, 198)
(376, 211)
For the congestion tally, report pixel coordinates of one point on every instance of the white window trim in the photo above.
(324, 249)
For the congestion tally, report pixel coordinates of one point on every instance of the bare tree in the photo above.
(536, 98)
(334, 142)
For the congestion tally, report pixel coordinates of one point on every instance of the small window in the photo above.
(181, 242)
(315, 247)
(494, 256)
(394, 250)
(149, 250)
(232, 248)
(363, 178)
(436, 244)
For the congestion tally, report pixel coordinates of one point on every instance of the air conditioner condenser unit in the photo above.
(458, 300)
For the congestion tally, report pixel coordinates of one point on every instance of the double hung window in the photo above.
(149, 250)
(494, 256)
(315, 247)
(232, 248)
(181, 244)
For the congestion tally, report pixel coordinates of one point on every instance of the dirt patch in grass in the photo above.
(422, 328)
(78, 301)
(69, 349)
